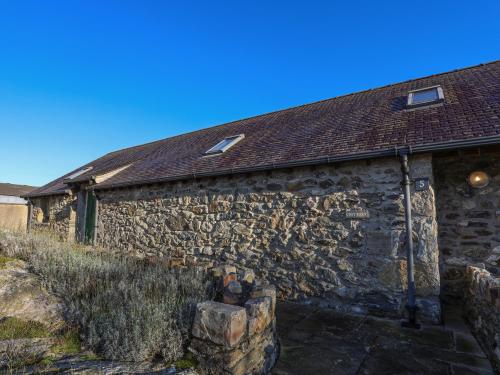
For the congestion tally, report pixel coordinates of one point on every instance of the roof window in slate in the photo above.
(225, 144)
(78, 173)
(428, 95)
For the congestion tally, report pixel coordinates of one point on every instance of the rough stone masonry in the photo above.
(332, 234)
(469, 219)
(482, 308)
(238, 336)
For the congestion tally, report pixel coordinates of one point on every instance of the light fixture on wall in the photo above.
(478, 179)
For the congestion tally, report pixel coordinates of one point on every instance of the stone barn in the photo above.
(313, 198)
(13, 208)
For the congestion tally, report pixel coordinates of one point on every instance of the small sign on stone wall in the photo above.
(357, 213)
(421, 184)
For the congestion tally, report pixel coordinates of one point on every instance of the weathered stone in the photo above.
(266, 291)
(253, 352)
(228, 278)
(220, 323)
(482, 306)
(234, 287)
(248, 276)
(231, 298)
(23, 296)
(259, 312)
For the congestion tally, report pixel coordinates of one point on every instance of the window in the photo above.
(225, 144)
(425, 96)
(78, 173)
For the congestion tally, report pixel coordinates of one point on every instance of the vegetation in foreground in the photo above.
(125, 308)
(4, 260)
(14, 328)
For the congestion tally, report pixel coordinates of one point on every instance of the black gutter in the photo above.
(439, 146)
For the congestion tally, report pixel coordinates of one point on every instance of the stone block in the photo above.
(228, 269)
(230, 298)
(248, 276)
(247, 364)
(259, 314)
(220, 323)
(234, 287)
(229, 278)
(216, 272)
(266, 291)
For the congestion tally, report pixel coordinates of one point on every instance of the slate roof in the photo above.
(350, 125)
(15, 190)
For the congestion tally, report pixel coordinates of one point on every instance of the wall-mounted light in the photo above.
(478, 179)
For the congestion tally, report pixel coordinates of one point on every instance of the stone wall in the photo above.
(57, 213)
(469, 219)
(332, 234)
(482, 308)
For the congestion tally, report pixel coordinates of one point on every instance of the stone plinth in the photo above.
(237, 338)
(220, 324)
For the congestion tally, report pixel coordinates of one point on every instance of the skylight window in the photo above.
(78, 173)
(428, 95)
(225, 144)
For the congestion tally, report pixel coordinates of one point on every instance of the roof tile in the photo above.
(366, 121)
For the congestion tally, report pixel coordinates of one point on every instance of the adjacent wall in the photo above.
(469, 219)
(334, 234)
(57, 213)
(13, 217)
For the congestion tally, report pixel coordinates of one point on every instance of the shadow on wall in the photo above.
(468, 217)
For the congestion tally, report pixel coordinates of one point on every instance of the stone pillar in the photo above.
(236, 340)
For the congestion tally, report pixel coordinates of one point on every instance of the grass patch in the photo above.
(125, 308)
(4, 260)
(68, 343)
(47, 361)
(185, 363)
(90, 357)
(14, 328)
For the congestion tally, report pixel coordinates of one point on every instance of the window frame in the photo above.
(216, 149)
(411, 95)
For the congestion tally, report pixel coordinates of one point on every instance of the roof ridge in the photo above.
(11, 184)
(306, 104)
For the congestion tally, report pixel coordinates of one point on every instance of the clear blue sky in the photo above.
(82, 78)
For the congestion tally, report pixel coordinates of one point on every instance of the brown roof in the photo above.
(350, 126)
(15, 190)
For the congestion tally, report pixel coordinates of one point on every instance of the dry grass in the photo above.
(126, 308)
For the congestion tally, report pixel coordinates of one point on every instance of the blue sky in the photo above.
(79, 79)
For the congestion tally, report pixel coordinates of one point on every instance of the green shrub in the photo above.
(126, 308)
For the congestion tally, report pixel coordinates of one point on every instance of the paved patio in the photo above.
(320, 341)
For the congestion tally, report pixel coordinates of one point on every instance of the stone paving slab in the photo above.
(322, 341)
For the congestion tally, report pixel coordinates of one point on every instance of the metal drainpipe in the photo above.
(96, 218)
(30, 214)
(410, 306)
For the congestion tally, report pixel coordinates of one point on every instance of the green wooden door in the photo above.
(90, 217)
